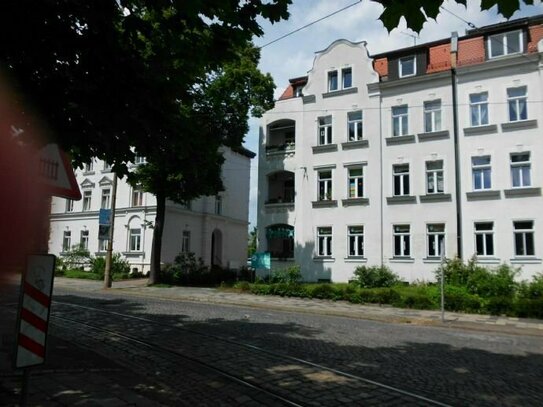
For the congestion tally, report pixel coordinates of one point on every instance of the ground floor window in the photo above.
(402, 240)
(66, 241)
(324, 241)
(135, 240)
(185, 241)
(484, 238)
(524, 238)
(436, 239)
(355, 236)
(84, 240)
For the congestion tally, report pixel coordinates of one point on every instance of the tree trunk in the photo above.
(157, 237)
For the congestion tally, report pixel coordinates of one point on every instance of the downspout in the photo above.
(458, 189)
(381, 186)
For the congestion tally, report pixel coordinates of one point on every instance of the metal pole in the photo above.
(443, 281)
(109, 253)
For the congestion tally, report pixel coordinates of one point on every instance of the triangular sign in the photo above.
(57, 173)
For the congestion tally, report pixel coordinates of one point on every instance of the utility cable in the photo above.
(311, 23)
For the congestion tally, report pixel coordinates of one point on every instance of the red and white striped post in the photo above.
(33, 318)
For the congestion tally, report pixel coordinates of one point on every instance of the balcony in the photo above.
(281, 140)
(280, 190)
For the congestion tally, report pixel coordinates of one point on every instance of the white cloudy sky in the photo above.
(293, 55)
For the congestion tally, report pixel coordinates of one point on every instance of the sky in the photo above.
(293, 56)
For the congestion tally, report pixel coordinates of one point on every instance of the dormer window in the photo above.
(407, 66)
(347, 77)
(332, 81)
(298, 91)
(505, 44)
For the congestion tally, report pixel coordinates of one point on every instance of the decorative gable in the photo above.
(87, 183)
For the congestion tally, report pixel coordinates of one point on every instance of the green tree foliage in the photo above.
(416, 12)
(252, 241)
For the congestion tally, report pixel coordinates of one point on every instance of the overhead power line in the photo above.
(311, 23)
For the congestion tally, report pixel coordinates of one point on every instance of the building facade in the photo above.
(213, 228)
(409, 156)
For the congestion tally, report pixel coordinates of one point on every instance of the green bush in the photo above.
(288, 275)
(375, 276)
(86, 275)
(459, 299)
(120, 268)
(243, 286)
(323, 291)
(456, 272)
(528, 308)
(499, 305)
(376, 295)
(77, 258)
(533, 289)
(499, 282)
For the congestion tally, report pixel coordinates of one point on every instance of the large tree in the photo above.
(416, 12)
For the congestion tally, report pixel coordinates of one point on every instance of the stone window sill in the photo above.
(340, 92)
(434, 260)
(324, 259)
(434, 135)
(348, 145)
(525, 260)
(435, 198)
(483, 195)
(478, 130)
(410, 138)
(487, 260)
(519, 125)
(403, 199)
(522, 192)
(355, 201)
(402, 260)
(329, 203)
(355, 259)
(324, 148)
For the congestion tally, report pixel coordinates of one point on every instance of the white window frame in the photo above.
(134, 239)
(343, 76)
(329, 80)
(324, 132)
(479, 107)
(355, 126)
(105, 202)
(434, 239)
(139, 159)
(66, 240)
(84, 239)
(478, 171)
(518, 167)
(137, 197)
(87, 200)
(355, 241)
(432, 116)
(433, 178)
(107, 167)
(218, 205)
(326, 184)
(486, 235)
(515, 103)
(504, 46)
(401, 66)
(523, 233)
(69, 205)
(89, 167)
(354, 182)
(185, 241)
(324, 241)
(401, 179)
(402, 119)
(102, 245)
(404, 238)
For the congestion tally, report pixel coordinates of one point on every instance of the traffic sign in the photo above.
(56, 172)
(34, 307)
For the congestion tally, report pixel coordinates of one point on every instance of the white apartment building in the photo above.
(214, 228)
(402, 157)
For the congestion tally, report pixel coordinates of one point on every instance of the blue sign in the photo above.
(261, 260)
(105, 217)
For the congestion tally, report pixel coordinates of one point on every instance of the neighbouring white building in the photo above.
(214, 228)
(402, 157)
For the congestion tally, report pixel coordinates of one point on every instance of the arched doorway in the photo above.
(280, 239)
(216, 248)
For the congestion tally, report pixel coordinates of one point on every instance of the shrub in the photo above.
(288, 275)
(533, 289)
(375, 276)
(459, 299)
(528, 307)
(456, 272)
(323, 291)
(76, 258)
(499, 282)
(376, 295)
(499, 305)
(243, 286)
(119, 266)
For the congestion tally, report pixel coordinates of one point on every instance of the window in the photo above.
(505, 44)
(89, 167)
(354, 123)
(356, 182)
(432, 116)
(66, 241)
(407, 66)
(324, 182)
(107, 166)
(134, 240)
(355, 235)
(102, 245)
(298, 91)
(481, 172)
(138, 159)
(524, 238)
(87, 195)
(436, 238)
(218, 205)
(69, 205)
(434, 177)
(347, 77)
(325, 130)
(137, 197)
(521, 170)
(484, 238)
(516, 99)
(399, 121)
(185, 241)
(324, 241)
(106, 198)
(402, 240)
(332, 81)
(400, 175)
(478, 104)
(84, 239)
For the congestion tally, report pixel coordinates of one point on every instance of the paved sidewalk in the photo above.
(509, 325)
